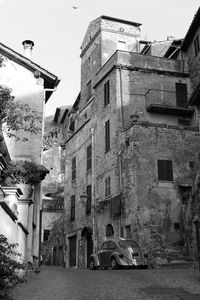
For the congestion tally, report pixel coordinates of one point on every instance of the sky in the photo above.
(57, 28)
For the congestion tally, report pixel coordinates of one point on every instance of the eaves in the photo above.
(75, 132)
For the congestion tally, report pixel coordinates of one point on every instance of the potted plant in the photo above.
(24, 174)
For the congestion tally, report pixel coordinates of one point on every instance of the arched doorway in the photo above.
(87, 235)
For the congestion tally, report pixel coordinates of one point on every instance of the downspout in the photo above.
(120, 186)
(121, 95)
(94, 220)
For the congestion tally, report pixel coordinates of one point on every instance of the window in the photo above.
(89, 89)
(196, 45)
(106, 93)
(165, 170)
(46, 235)
(73, 168)
(107, 135)
(111, 245)
(128, 231)
(72, 207)
(104, 246)
(89, 157)
(184, 122)
(89, 199)
(121, 45)
(181, 94)
(107, 187)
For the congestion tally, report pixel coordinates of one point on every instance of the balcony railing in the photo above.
(165, 102)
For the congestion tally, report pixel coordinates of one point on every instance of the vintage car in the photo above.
(116, 253)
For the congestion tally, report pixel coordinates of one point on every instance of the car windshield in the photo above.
(129, 243)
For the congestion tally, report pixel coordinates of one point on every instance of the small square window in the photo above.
(165, 170)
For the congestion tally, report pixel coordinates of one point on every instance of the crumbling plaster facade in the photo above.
(149, 208)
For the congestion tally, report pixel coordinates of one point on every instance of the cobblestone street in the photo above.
(57, 283)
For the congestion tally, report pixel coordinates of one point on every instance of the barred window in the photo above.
(89, 157)
(73, 208)
(107, 93)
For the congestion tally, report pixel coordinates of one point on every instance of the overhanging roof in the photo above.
(191, 31)
(51, 81)
(195, 97)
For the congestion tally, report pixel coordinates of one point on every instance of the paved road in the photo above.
(57, 283)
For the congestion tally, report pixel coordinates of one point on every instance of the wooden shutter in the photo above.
(89, 157)
(106, 93)
(107, 135)
(165, 170)
(72, 207)
(89, 198)
(181, 94)
(74, 168)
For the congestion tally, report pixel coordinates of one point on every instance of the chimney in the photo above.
(28, 46)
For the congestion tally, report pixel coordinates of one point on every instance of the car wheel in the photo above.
(114, 264)
(91, 264)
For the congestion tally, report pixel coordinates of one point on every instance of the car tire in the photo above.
(91, 264)
(114, 264)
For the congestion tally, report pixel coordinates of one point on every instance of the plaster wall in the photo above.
(8, 227)
(26, 89)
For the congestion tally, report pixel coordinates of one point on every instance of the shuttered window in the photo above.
(181, 94)
(72, 207)
(107, 93)
(89, 157)
(89, 89)
(107, 135)
(89, 199)
(107, 187)
(165, 170)
(196, 45)
(73, 168)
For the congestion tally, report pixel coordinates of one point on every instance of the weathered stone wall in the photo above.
(152, 207)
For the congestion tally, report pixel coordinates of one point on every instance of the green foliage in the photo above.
(16, 116)
(22, 171)
(9, 267)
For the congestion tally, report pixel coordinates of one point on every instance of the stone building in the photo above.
(130, 153)
(33, 85)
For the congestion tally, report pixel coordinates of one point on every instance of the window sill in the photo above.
(167, 184)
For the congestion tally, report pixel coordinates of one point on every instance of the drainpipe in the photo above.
(121, 95)
(94, 220)
(120, 185)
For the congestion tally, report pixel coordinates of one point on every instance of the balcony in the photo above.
(165, 102)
